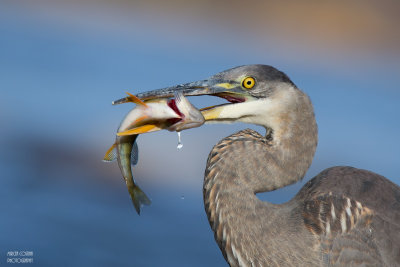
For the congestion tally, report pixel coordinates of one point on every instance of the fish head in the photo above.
(173, 114)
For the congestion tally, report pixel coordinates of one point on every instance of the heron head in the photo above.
(256, 94)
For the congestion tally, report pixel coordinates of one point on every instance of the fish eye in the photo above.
(248, 82)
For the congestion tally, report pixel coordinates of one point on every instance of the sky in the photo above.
(63, 62)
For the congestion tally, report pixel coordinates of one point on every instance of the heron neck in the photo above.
(265, 163)
(247, 163)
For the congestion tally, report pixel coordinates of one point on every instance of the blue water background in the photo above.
(57, 81)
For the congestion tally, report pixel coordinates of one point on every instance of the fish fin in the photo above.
(135, 122)
(134, 154)
(135, 100)
(138, 197)
(191, 116)
(178, 96)
(139, 130)
(130, 98)
(111, 154)
(140, 119)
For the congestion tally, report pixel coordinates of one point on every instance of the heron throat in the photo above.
(246, 163)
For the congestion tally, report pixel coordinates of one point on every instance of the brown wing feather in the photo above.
(356, 215)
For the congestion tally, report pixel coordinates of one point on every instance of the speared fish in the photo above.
(175, 114)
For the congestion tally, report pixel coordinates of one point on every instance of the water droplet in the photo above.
(180, 145)
(182, 197)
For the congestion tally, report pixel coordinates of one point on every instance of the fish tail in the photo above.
(138, 197)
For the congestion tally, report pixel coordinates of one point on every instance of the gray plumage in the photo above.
(342, 217)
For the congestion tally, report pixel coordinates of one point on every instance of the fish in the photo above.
(174, 114)
(191, 117)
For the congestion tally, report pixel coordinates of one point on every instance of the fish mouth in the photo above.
(172, 104)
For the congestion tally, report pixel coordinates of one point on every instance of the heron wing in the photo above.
(350, 233)
(353, 212)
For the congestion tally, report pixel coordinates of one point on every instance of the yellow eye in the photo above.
(248, 82)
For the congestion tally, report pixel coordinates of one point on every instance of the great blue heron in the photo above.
(342, 217)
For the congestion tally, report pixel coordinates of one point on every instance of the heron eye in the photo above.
(248, 82)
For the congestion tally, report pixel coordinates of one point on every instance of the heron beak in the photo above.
(232, 91)
(187, 89)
